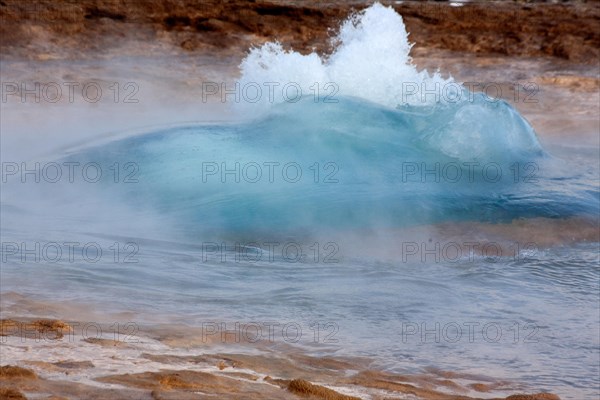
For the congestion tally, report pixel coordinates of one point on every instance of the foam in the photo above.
(371, 61)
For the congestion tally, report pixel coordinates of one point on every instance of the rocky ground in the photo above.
(45, 29)
(66, 361)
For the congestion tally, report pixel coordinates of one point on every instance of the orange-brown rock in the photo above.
(42, 328)
(304, 388)
(11, 394)
(538, 396)
(67, 29)
(14, 372)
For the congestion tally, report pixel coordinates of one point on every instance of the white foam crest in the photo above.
(371, 61)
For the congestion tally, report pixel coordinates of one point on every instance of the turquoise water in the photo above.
(311, 167)
(330, 213)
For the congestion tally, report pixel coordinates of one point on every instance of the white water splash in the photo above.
(371, 61)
